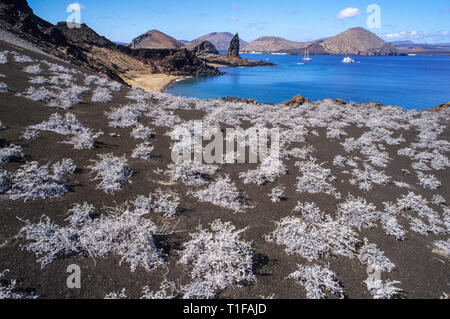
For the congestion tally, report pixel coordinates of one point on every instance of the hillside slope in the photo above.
(155, 39)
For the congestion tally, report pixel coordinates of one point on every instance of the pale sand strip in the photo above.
(153, 82)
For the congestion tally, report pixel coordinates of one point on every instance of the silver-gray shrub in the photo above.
(65, 98)
(191, 173)
(165, 204)
(101, 95)
(7, 153)
(4, 88)
(143, 151)
(5, 182)
(40, 94)
(356, 212)
(111, 171)
(141, 132)
(120, 232)
(224, 193)
(382, 289)
(32, 181)
(314, 240)
(8, 288)
(317, 280)
(67, 125)
(219, 257)
(33, 69)
(370, 255)
(315, 179)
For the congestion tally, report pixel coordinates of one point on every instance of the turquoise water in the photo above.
(412, 82)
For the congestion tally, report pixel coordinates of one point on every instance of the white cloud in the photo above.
(445, 33)
(233, 18)
(348, 13)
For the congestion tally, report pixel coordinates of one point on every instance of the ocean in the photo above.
(411, 82)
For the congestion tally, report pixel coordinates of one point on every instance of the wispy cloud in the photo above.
(418, 36)
(233, 18)
(234, 6)
(348, 13)
(445, 10)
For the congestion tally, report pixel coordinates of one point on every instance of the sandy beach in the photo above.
(153, 82)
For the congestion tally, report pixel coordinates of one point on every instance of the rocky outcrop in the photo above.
(202, 48)
(221, 40)
(233, 49)
(297, 101)
(82, 46)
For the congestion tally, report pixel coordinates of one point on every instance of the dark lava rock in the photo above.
(233, 49)
(203, 48)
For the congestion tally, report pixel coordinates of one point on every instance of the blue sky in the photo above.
(297, 20)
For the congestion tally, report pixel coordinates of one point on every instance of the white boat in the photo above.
(306, 57)
(348, 60)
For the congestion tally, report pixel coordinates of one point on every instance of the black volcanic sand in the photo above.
(422, 273)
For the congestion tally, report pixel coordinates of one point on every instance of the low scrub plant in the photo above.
(383, 289)
(356, 212)
(120, 232)
(223, 193)
(165, 204)
(318, 280)
(112, 171)
(9, 290)
(315, 179)
(191, 173)
(141, 132)
(370, 255)
(101, 95)
(143, 151)
(4, 88)
(33, 69)
(267, 172)
(219, 257)
(10, 152)
(32, 181)
(314, 240)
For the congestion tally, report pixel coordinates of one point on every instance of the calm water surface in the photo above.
(411, 82)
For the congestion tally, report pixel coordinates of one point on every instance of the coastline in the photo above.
(154, 82)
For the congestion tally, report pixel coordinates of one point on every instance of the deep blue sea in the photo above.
(412, 82)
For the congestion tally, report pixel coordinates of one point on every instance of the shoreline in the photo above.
(155, 82)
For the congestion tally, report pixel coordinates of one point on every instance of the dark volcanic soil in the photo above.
(422, 273)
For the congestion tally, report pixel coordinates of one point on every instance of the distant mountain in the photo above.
(272, 44)
(409, 47)
(221, 40)
(121, 43)
(358, 41)
(355, 41)
(407, 42)
(155, 39)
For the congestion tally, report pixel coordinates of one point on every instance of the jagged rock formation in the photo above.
(202, 48)
(221, 40)
(155, 39)
(297, 101)
(233, 49)
(84, 47)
